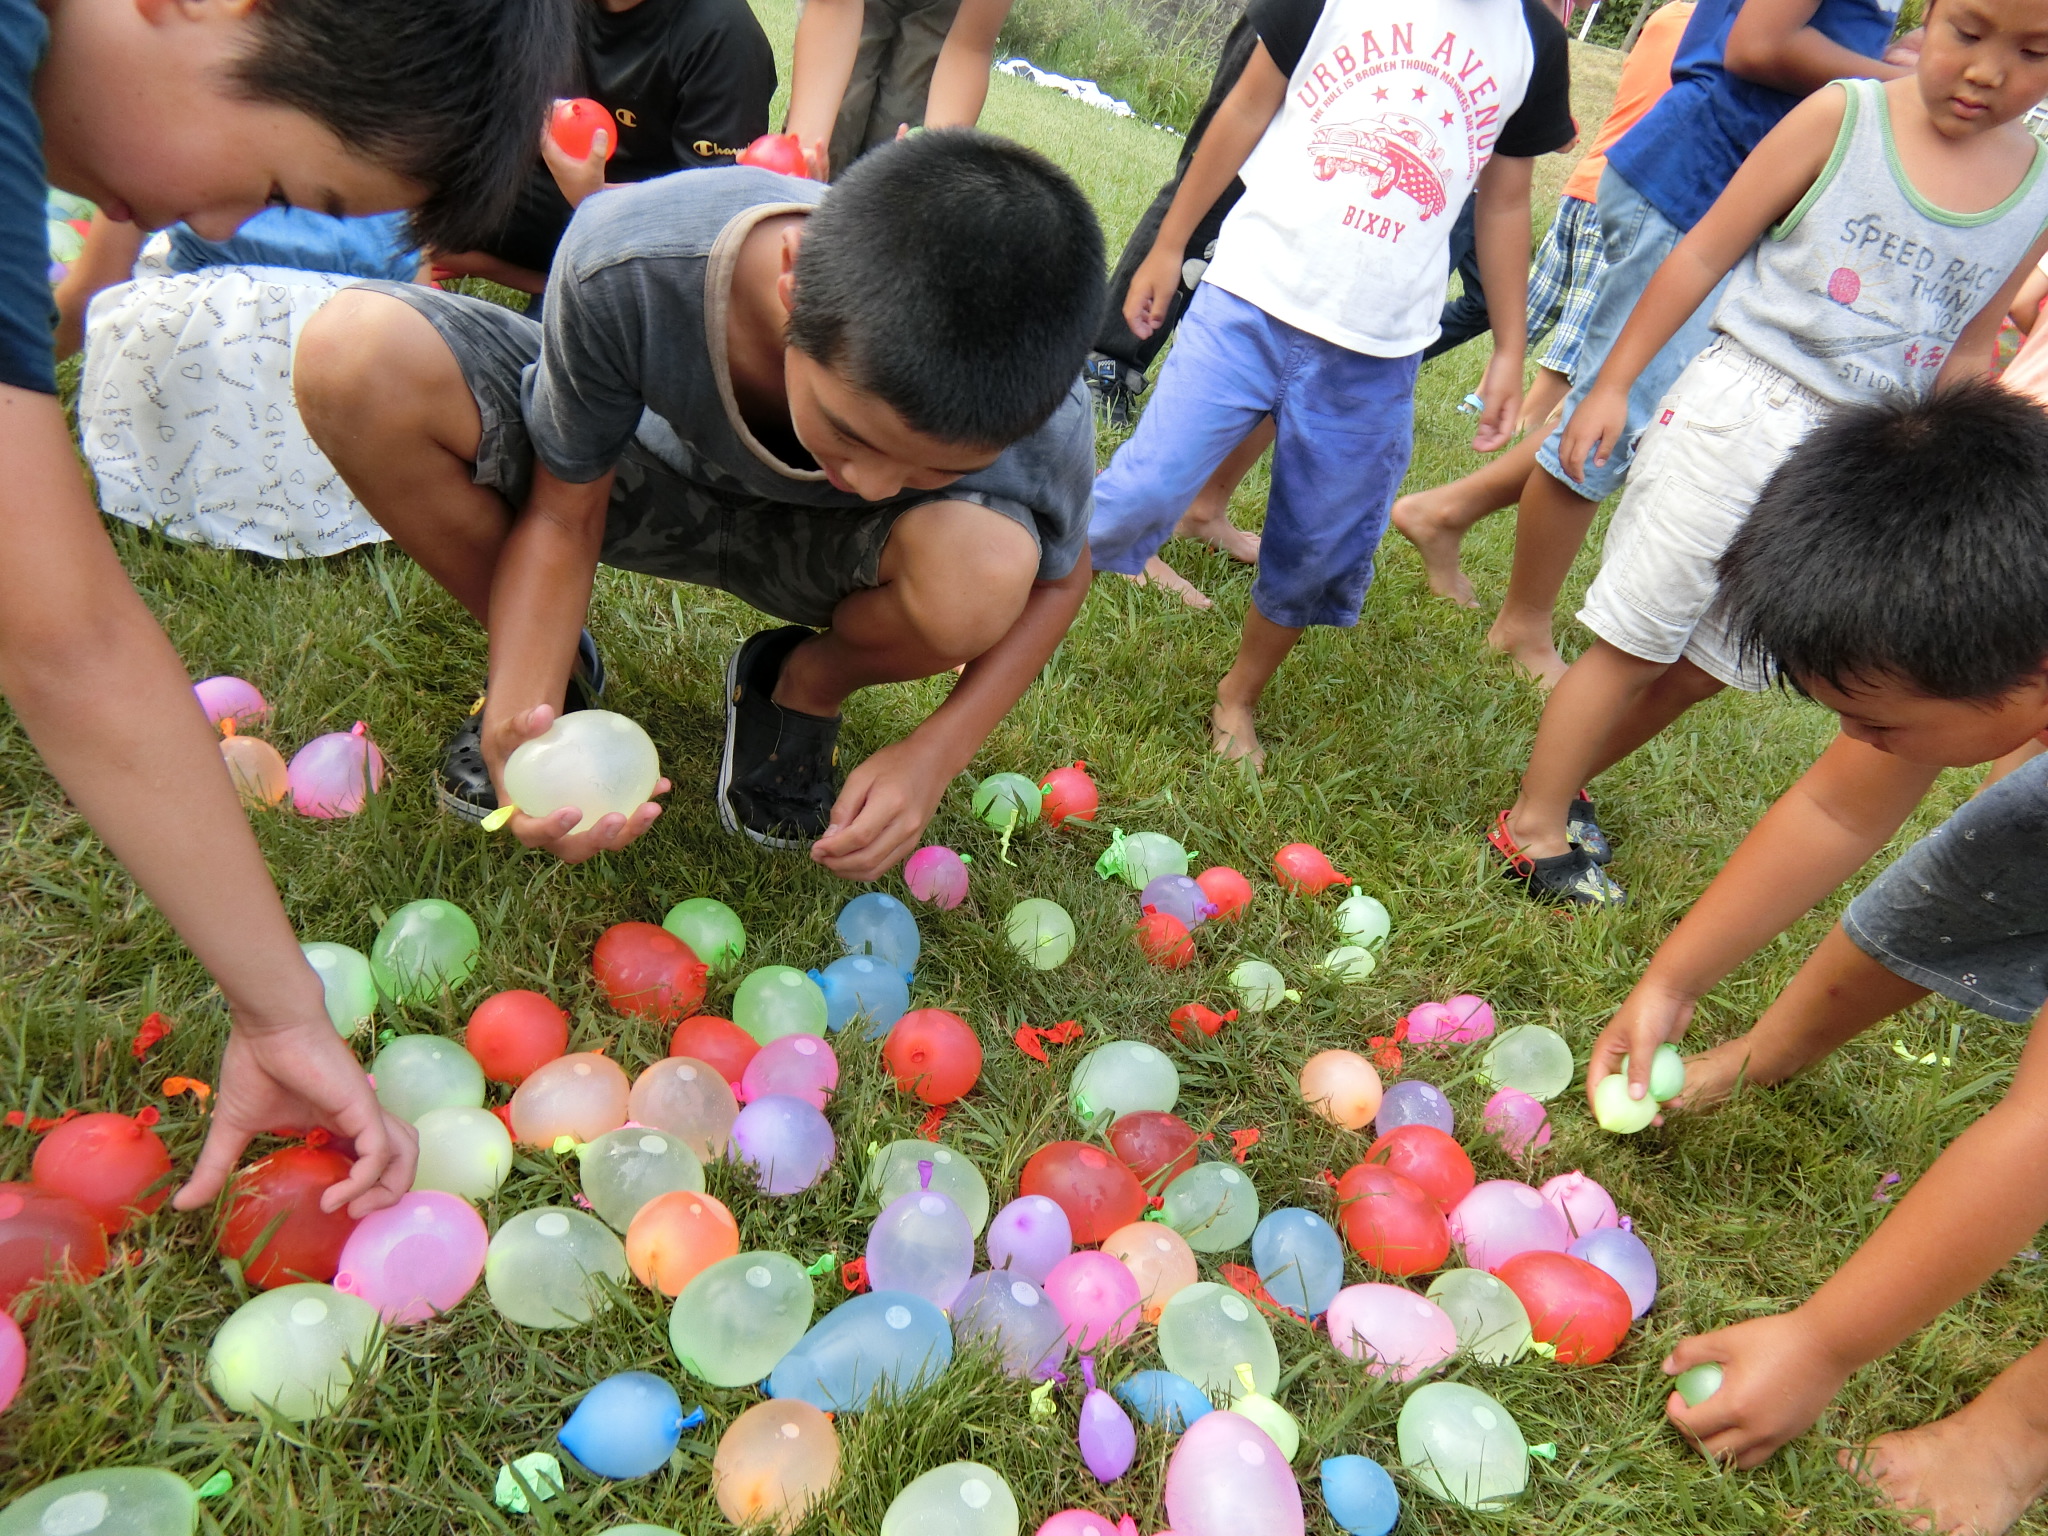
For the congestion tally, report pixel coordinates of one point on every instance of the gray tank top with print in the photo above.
(1865, 285)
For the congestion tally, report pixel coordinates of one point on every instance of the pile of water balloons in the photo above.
(330, 776)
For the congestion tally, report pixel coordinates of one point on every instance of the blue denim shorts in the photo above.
(1964, 911)
(1344, 426)
(1637, 239)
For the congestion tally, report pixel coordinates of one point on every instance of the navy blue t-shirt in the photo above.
(1686, 149)
(27, 311)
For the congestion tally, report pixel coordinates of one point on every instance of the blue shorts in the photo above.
(1344, 423)
(1637, 238)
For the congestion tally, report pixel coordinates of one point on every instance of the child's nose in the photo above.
(221, 223)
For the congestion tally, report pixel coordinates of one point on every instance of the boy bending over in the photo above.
(1894, 567)
(860, 412)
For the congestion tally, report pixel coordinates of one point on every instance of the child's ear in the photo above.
(785, 281)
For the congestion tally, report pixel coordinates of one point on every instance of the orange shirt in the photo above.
(1645, 76)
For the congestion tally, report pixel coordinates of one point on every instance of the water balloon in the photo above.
(43, 1236)
(228, 700)
(779, 1000)
(1349, 963)
(1259, 987)
(1163, 1400)
(1163, 940)
(711, 929)
(1230, 892)
(1360, 1497)
(1208, 1330)
(1140, 858)
(1492, 1323)
(274, 1226)
(1627, 1261)
(1530, 1057)
(1213, 1206)
(1615, 1111)
(13, 1358)
(1428, 1159)
(107, 1501)
(647, 972)
(933, 1054)
(624, 1169)
(876, 923)
(1156, 1146)
(547, 1267)
(689, 1099)
(1070, 795)
(414, 1259)
(1014, 1318)
(574, 126)
(335, 775)
(1158, 1257)
(937, 876)
(898, 1169)
(346, 985)
(860, 986)
(785, 1141)
(1006, 801)
(1096, 1191)
(921, 1243)
(514, 1034)
(1120, 1078)
(1698, 1384)
(782, 153)
(1263, 1411)
(1041, 932)
(1502, 1218)
(1585, 1206)
(1414, 1102)
(884, 1341)
(1667, 1073)
(1226, 1477)
(774, 1463)
(1180, 898)
(113, 1165)
(1391, 1223)
(426, 947)
(1363, 920)
(737, 1317)
(1303, 869)
(1299, 1259)
(295, 1351)
(463, 1151)
(581, 1096)
(1107, 1437)
(1028, 1237)
(1076, 1522)
(1096, 1296)
(591, 760)
(1458, 1021)
(1462, 1446)
(627, 1425)
(802, 1066)
(1520, 1123)
(719, 1043)
(1342, 1087)
(1580, 1309)
(259, 772)
(962, 1498)
(416, 1073)
(1394, 1331)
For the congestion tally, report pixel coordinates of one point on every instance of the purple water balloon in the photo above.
(416, 1258)
(1394, 1331)
(936, 875)
(335, 775)
(229, 698)
(1015, 1317)
(1177, 896)
(785, 1140)
(1109, 1440)
(1413, 1102)
(1585, 1206)
(922, 1244)
(802, 1066)
(1226, 1477)
(1502, 1218)
(1520, 1123)
(1029, 1236)
(1626, 1258)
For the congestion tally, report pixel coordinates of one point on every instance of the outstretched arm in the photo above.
(960, 78)
(821, 63)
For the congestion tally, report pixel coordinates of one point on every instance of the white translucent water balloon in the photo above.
(624, 1169)
(418, 1073)
(1463, 1446)
(463, 1151)
(294, 1350)
(962, 1498)
(593, 759)
(1492, 1323)
(1207, 1330)
(546, 1267)
(895, 1172)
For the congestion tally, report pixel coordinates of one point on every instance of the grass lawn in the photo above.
(1392, 747)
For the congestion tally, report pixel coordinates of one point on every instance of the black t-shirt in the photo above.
(1540, 126)
(687, 82)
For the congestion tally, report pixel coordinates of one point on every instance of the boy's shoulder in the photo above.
(677, 217)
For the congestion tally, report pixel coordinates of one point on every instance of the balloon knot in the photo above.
(1041, 1400)
(854, 1276)
(1547, 1450)
(693, 1418)
(1539, 1347)
(562, 1144)
(821, 1265)
(215, 1485)
(928, 1128)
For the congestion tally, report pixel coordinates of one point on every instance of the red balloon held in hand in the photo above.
(574, 124)
(1070, 795)
(1427, 1158)
(648, 972)
(110, 1164)
(718, 1043)
(285, 1188)
(782, 153)
(1195, 1016)
(514, 1034)
(1390, 1222)
(1579, 1308)
(933, 1054)
(1228, 889)
(1098, 1193)
(43, 1236)
(1304, 870)
(1163, 939)
(1157, 1147)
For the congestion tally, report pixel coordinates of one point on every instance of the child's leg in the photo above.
(1598, 700)
(1208, 515)
(1232, 726)
(1550, 525)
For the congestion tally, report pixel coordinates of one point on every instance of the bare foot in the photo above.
(1157, 570)
(1232, 736)
(1974, 1472)
(1533, 651)
(1422, 523)
(1212, 525)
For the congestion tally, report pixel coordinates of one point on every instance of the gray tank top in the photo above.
(1864, 286)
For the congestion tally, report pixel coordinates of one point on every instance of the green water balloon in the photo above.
(737, 1318)
(349, 989)
(962, 1498)
(1213, 1206)
(1259, 987)
(463, 1151)
(1363, 920)
(1532, 1058)
(108, 1501)
(1462, 1446)
(426, 947)
(710, 928)
(1616, 1111)
(1139, 858)
(779, 1000)
(1492, 1323)
(1122, 1078)
(624, 1169)
(1667, 1073)
(1699, 1383)
(1040, 931)
(894, 1172)
(545, 1268)
(1207, 1330)
(418, 1073)
(1007, 801)
(1350, 963)
(295, 1350)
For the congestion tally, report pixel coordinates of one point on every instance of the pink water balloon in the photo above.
(1029, 1236)
(802, 1066)
(1226, 1477)
(1108, 1438)
(1394, 1331)
(1077, 1522)
(1456, 1021)
(1585, 1206)
(13, 1358)
(936, 875)
(1521, 1124)
(1502, 1218)
(335, 775)
(230, 698)
(1096, 1295)
(416, 1258)
(787, 1141)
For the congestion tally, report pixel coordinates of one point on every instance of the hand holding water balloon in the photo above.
(555, 832)
(1778, 1376)
(1653, 1015)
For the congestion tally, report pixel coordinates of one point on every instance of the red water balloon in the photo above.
(1390, 1222)
(933, 1054)
(1157, 1147)
(782, 153)
(1303, 870)
(110, 1164)
(648, 972)
(716, 1042)
(285, 1188)
(1580, 1309)
(513, 1034)
(1194, 1016)
(1427, 1158)
(1070, 795)
(1163, 939)
(1228, 889)
(574, 124)
(43, 1236)
(1098, 1193)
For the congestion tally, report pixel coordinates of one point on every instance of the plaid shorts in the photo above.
(1563, 282)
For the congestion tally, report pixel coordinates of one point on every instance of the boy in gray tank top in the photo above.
(1848, 282)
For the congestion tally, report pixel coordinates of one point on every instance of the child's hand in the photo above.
(1649, 1018)
(886, 804)
(1500, 394)
(552, 832)
(577, 178)
(818, 160)
(1779, 1377)
(1152, 290)
(1595, 428)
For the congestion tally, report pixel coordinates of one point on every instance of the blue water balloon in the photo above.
(1163, 1399)
(627, 1426)
(885, 1341)
(1300, 1259)
(863, 986)
(878, 924)
(1360, 1496)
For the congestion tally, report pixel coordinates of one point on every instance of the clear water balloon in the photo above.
(1363, 920)
(346, 985)
(711, 928)
(593, 760)
(689, 1099)
(1123, 1077)
(1208, 1330)
(1259, 987)
(464, 1152)
(1698, 1384)
(1041, 932)
(1213, 1206)
(1462, 1446)
(547, 1267)
(779, 1000)
(416, 1073)
(962, 1498)
(426, 947)
(1139, 858)
(295, 1350)
(624, 1169)
(107, 1501)
(1349, 963)
(1531, 1057)
(737, 1318)
(1491, 1322)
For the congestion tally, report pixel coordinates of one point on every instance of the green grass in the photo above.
(1392, 747)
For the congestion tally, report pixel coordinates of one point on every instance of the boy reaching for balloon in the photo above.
(1893, 568)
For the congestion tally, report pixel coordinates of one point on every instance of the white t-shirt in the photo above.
(1392, 108)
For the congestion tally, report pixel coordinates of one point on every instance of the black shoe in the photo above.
(1572, 877)
(1585, 832)
(1116, 386)
(464, 787)
(775, 781)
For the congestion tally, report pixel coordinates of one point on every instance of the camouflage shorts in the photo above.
(794, 563)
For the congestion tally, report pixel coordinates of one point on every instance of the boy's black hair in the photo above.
(956, 276)
(1902, 540)
(452, 94)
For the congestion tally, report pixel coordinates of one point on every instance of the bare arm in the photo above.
(827, 38)
(960, 78)
(1772, 43)
(1500, 227)
(491, 268)
(108, 258)
(1976, 349)
(99, 690)
(2025, 308)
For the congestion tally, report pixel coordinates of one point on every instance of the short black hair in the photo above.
(453, 94)
(956, 276)
(1905, 540)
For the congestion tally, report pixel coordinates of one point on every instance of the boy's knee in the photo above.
(963, 574)
(366, 359)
